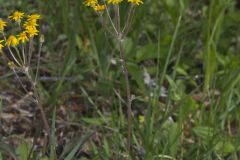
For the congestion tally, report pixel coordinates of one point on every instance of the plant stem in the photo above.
(38, 102)
(129, 99)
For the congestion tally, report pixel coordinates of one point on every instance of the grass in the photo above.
(189, 49)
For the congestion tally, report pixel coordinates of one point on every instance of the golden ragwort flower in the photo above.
(23, 37)
(137, 2)
(33, 17)
(99, 7)
(114, 1)
(3, 24)
(90, 2)
(31, 25)
(16, 16)
(32, 31)
(12, 41)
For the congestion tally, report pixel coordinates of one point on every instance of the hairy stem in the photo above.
(129, 99)
(39, 104)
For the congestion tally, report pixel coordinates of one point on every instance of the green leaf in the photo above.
(203, 131)
(188, 106)
(8, 149)
(127, 45)
(79, 42)
(80, 141)
(93, 121)
(23, 150)
(224, 147)
(137, 74)
(174, 137)
(146, 52)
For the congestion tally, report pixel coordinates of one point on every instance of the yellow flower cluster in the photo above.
(29, 29)
(94, 4)
(31, 25)
(97, 7)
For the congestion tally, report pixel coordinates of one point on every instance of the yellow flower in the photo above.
(1, 45)
(12, 41)
(34, 17)
(99, 7)
(23, 37)
(30, 24)
(3, 24)
(16, 16)
(137, 2)
(90, 2)
(32, 31)
(114, 1)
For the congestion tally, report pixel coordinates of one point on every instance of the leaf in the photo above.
(146, 52)
(224, 147)
(23, 150)
(1, 158)
(203, 131)
(79, 42)
(188, 106)
(80, 141)
(127, 45)
(8, 149)
(174, 136)
(93, 121)
(137, 74)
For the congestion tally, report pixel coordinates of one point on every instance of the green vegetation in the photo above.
(183, 58)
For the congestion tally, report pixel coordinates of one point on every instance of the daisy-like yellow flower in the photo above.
(30, 24)
(114, 1)
(23, 37)
(32, 31)
(90, 2)
(3, 24)
(12, 41)
(16, 16)
(1, 45)
(99, 7)
(137, 2)
(33, 17)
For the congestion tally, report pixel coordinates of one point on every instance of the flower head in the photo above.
(137, 2)
(3, 24)
(99, 7)
(114, 1)
(1, 45)
(90, 2)
(16, 16)
(30, 24)
(23, 37)
(12, 41)
(32, 31)
(33, 17)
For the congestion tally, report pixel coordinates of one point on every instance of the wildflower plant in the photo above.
(20, 49)
(118, 30)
